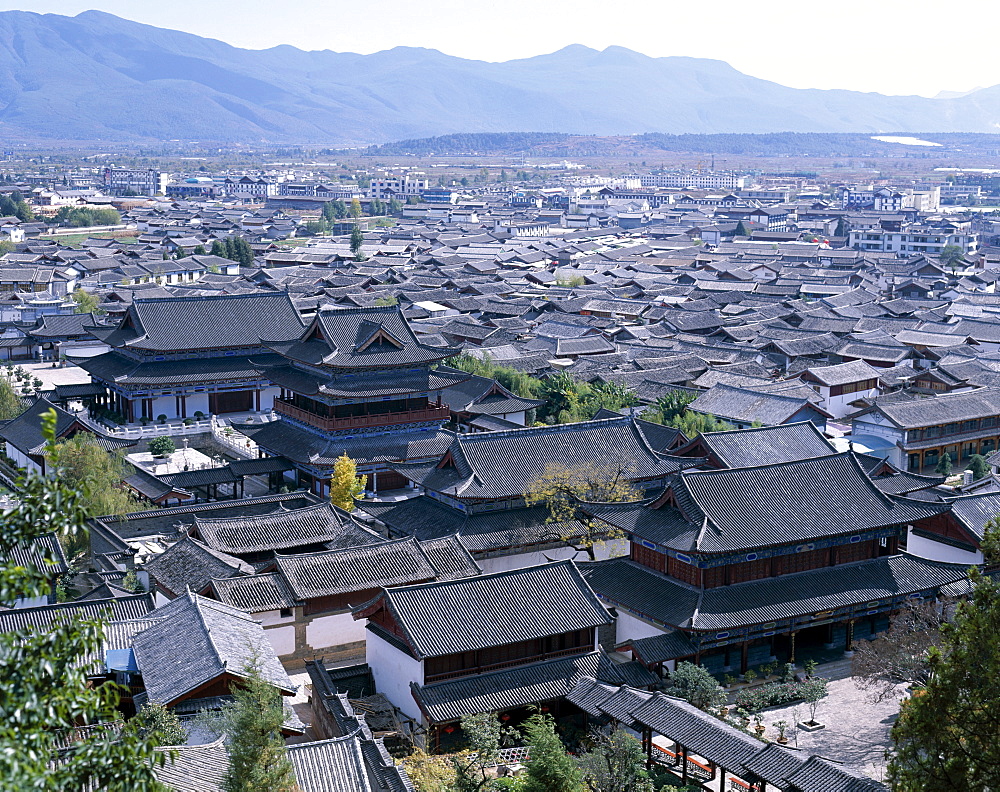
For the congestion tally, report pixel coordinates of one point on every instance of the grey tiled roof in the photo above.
(494, 610)
(736, 510)
(511, 687)
(375, 565)
(639, 589)
(766, 445)
(344, 337)
(189, 564)
(206, 322)
(503, 464)
(352, 763)
(481, 532)
(135, 606)
(743, 405)
(255, 593)
(282, 530)
(198, 640)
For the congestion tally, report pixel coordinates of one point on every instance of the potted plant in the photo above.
(759, 725)
(750, 675)
(781, 726)
(744, 717)
(809, 666)
(161, 418)
(198, 414)
(729, 680)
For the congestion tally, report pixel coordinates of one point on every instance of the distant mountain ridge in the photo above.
(97, 76)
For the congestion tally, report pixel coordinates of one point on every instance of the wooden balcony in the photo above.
(435, 412)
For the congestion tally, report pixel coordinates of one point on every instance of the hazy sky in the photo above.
(890, 46)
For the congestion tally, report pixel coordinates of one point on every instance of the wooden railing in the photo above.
(433, 413)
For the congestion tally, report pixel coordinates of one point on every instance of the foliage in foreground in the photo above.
(946, 738)
(45, 692)
(258, 758)
(695, 685)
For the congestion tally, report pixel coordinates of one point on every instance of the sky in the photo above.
(889, 46)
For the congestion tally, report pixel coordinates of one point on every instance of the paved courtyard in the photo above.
(50, 377)
(856, 733)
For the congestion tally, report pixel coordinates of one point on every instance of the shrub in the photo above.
(778, 693)
(161, 446)
(162, 418)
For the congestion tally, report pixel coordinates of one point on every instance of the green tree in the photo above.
(550, 768)
(80, 462)
(161, 446)
(258, 758)
(951, 255)
(218, 249)
(978, 466)
(335, 210)
(485, 736)
(387, 299)
(159, 724)
(944, 465)
(48, 693)
(199, 250)
(345, 484)
(357, 241)
(86, 303)
(616, 763)
(990, 543)
(11, 405)
(395, 206)
(946, 736)
(694, 684)
(355, 209)
(741, 230)
(841, 229)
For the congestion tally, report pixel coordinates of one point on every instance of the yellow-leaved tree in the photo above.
(562, 488)
(345, 483)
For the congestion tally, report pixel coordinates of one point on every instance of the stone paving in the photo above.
(857, 733)
(50, 377)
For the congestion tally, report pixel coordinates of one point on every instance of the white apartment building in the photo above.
(710, 180)
(250, 187)
(141, 181)
(916, 238)
(385, 187)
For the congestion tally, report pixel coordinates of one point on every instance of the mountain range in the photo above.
(96, 76)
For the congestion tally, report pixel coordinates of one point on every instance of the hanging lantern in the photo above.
(505, 717)
(449, 729)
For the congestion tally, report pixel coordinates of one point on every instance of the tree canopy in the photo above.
(946, 737)
(47, 695)
(694, 684)
(345, 484)
(258, 758)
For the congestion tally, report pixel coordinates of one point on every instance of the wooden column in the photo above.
(744, 656)
(256, 399)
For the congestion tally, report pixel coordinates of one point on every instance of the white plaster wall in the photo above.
(267, 397)
(282, 639)
(273, 618)
(617, 547)
(162, 405)
(923, 547)
(196, 402)
(839, 406)
(393, 671)
(631, 628)
(335, 630)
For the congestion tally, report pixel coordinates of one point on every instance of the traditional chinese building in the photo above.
(488, 643)
(357, 381)
(180, 356)
(739, 566)
(476, 487)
